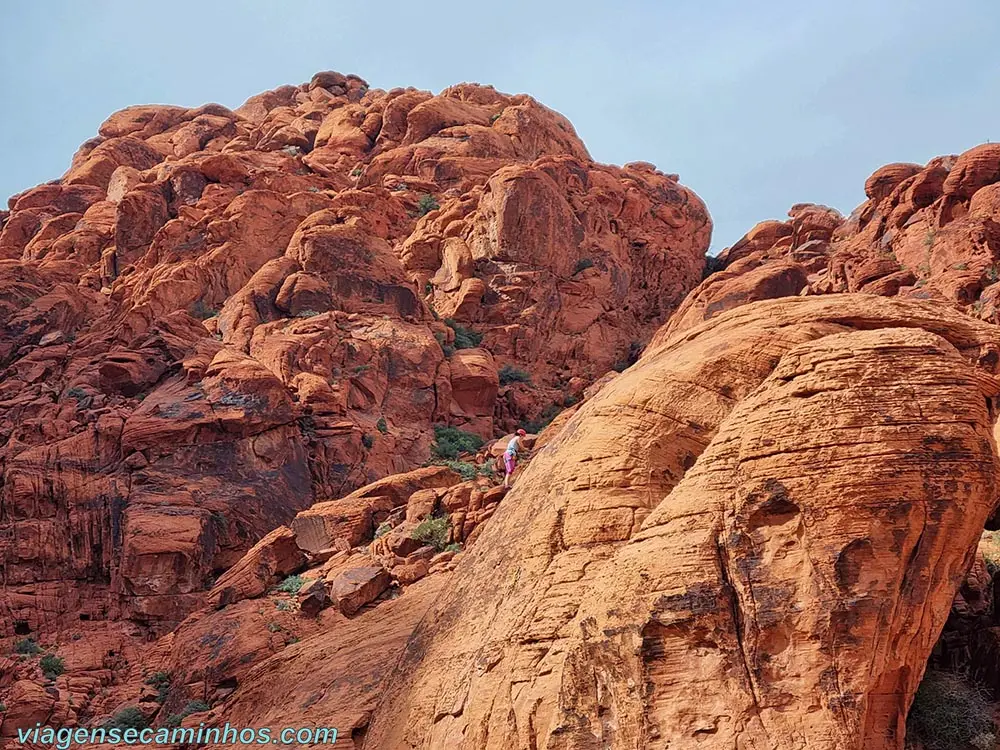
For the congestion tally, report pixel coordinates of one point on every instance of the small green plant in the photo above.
(52, 666)
(361, 369)
(128, 718)
(961, 267)
(468, 471)
(160, 681)
(3, 707)
(494, 118)
(453, 547)
(193, 707)
(465, 338)
(308, 314)
(381, 426)
(82, 399)
(273, 627)
(433, 531)
(509, 374)
(383, 528)
(989, 543)
(356, 172)
(950, 712)
(449, 442)
(426, 204)
(368, 441)
(307, 426)
(582, 265)
(291, 585)
(202, 311)
(920, 283)
(570, 400)
(428, 288)
(281, 605)
(993, 273)
(27, 646)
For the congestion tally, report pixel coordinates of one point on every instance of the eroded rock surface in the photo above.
(751, 538)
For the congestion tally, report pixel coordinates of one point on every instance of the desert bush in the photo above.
(27, 646)
(950, 712)
(465, 338)
(52, 666)
(291, 585)
(426, 204)
(509, 374)
(128, 718)
(449, 442)
(433, 531)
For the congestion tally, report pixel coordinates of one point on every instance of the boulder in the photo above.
(356, 587)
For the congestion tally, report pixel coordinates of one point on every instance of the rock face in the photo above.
(218, 318)
(703, 554)
(925, 232)
(235, 343)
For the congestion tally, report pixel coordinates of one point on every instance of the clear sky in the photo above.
(757, 105)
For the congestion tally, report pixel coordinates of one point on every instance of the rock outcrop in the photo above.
(257, 367)
(751, 538)
(218, 318)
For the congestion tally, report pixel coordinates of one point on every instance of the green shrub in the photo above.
(161, 681)
(356, 172)
(127, 718)
(193, 707)
(464, 469)
(82, 399)
(368, 441)
(426, 204)
(990, 545)
(273, 627)
(494, 118)
(3, 707)
(27, 646)
(582, 265)
(433, 531)
(383, 528)
(381, 425)
(449, 442)
(202, 311)
(992, 273)
(52, 666)
(509, 374)
(291, 585)
(570, 400)
(453, 547)
(465, 338)
(950, 712)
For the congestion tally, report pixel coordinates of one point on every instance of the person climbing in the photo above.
(510, 457)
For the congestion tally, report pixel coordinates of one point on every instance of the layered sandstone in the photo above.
(217, 318)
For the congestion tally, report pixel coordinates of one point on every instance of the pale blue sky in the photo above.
(757, 105)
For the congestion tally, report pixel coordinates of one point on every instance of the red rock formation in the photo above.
(219, 318)
(229, 336)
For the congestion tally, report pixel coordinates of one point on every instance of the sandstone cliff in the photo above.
(258, 365)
